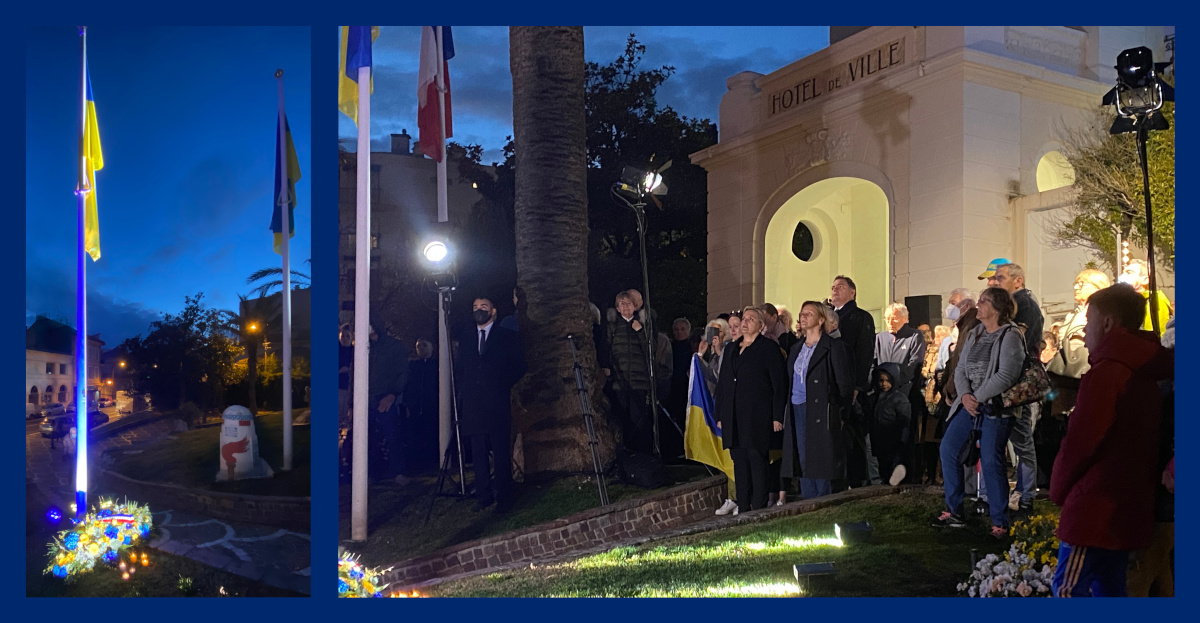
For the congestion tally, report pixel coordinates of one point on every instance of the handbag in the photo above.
(1033, 384)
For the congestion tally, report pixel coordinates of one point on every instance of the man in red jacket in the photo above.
(1105, 474)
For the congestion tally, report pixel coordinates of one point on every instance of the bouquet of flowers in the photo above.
(356, 580)
(1026, 569)
(100, 537)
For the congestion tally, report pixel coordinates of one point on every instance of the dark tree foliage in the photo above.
(625, 126)
(187, 356)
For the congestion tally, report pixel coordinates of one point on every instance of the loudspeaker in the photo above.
(925, 309)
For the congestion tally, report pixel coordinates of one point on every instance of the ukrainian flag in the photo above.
(356, 52)
(93, 161)
(701, 437)
(283, 196)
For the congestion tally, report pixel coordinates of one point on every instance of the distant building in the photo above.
(403, 209)
(50, 364)
(907, 158)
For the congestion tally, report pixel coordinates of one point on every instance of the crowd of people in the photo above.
(820, 401)
(844, 406)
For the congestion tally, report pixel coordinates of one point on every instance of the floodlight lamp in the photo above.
(1139, 91)
(435, 251)
(638, 183)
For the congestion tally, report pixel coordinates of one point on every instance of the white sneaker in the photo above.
(898, 475)
(779, 503)
(728, 507)
(1014, 500)
(735, 510)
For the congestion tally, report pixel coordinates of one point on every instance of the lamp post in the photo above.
(1138, 98)
(639, 185)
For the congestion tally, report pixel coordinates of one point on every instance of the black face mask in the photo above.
(481, 316)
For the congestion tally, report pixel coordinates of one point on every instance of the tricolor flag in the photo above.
(701, 437)
(356, 52)
(428, 121)
(93, 161)
(285, 195)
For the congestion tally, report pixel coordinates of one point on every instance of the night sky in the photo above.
(187, 120)
(703, 57)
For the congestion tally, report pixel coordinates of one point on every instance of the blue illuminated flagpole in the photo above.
(81, 191)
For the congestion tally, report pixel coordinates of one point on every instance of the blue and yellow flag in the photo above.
(285, 196)
(356, 52)
(93, 161)
(701, 437)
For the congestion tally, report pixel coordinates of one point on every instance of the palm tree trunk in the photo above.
(551, 231)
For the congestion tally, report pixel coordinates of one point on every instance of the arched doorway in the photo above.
(33, 395)
(839, 225)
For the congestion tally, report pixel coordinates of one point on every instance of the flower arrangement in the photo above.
(356, 580)
(1026, 569)
(100, 536)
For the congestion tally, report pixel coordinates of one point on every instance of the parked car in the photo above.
(55, 408)
(106, 402)
(50, 423)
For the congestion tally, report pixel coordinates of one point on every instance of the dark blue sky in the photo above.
(187, 121)
(703, 57)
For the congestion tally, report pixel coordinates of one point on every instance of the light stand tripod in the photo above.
(651, 332)
(454, 447)
(586, 404)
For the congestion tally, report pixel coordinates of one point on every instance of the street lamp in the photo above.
(1138, 98)
(632, 190)
(122, 364)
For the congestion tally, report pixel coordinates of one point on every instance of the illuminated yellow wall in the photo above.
(849, 219)
(1054, 171)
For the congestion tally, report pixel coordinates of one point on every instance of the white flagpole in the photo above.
(81, 404)
(284, 199)
(443, 212)
(444, 396)
(362, 306)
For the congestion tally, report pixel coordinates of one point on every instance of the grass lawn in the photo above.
(905, 557)
(166, 576)
(396, 515)
(193, 459)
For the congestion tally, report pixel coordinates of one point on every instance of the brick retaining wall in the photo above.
(612, 524)
(285, 512)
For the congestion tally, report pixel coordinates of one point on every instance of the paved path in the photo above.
(267, 554)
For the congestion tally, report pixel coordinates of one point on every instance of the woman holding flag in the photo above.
(821, 386)
(751, 396)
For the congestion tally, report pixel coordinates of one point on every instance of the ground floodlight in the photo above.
(435, 251)
(806, 573)
(853, 533)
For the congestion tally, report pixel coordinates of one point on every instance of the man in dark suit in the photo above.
(489, 362)
(858, 332)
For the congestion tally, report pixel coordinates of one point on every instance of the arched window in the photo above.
(62, 394)
(1054, 171)
(49, 395)
(33, 395)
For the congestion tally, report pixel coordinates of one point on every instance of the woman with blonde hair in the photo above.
(751, 394)
(819, 393)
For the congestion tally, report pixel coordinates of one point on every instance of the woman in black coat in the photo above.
(751, 396)
(821, 385)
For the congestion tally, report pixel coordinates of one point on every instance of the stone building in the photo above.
(50, 364)
(905, 157)
(403, 212)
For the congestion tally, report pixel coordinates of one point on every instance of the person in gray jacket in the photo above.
(990, 362)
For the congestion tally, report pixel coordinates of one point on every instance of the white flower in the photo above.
(1024, 589)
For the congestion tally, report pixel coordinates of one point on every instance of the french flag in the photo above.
(428, 121)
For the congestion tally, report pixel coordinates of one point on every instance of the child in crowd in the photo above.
(890, 416)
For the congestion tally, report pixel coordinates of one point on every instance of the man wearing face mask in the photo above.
(488, 363)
